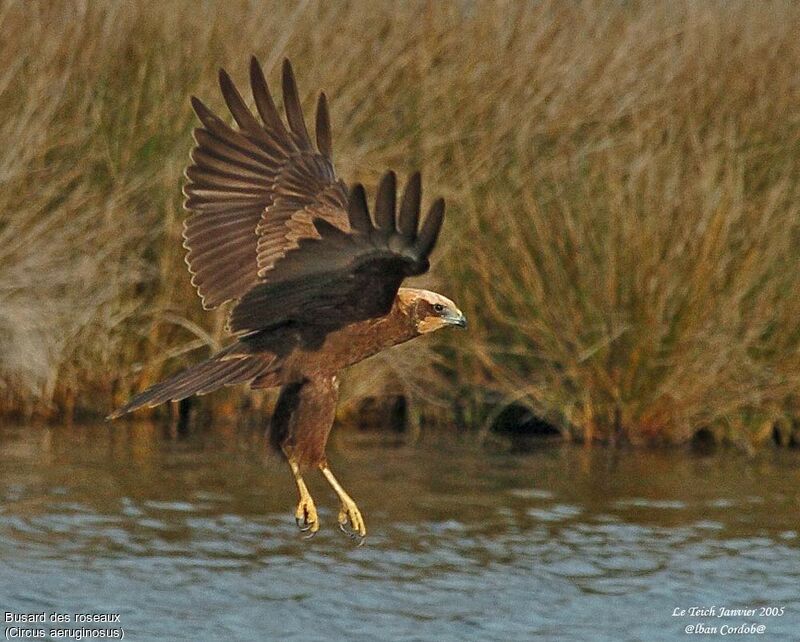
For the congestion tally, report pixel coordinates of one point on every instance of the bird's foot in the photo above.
(306, 516)
(351, 523)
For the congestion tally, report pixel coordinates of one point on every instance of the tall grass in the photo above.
(621, 182)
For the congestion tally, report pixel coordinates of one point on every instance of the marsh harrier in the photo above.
(315, 279)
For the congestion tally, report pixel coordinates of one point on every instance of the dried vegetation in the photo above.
(622, 186)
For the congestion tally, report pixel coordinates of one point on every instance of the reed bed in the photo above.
(621, 178)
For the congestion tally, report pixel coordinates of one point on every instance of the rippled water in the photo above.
(193, 538)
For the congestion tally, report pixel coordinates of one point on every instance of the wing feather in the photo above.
(339, 276)
(294, 112)
(429, 233)
(243, 183)
(358, 212)
(409, 209)
(385, 204)
(323, 127)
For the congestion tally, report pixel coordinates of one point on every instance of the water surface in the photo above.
(193, 538)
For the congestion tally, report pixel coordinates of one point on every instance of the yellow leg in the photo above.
(306, 513)
(350, 520)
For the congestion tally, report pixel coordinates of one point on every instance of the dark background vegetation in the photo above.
(621, 179)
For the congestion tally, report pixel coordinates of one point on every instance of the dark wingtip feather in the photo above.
(358, 211)
(235, 102)
(325, 228)
(263, 98)
(291, 103)
(409, 209)
(323, 127)
(258, 81)
(430, 229)
(205, 115)
(225, 83)
(224, 80)
(385, 203)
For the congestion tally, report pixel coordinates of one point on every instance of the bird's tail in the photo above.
(223, 369)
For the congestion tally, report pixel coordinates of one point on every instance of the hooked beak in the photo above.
(457, 318)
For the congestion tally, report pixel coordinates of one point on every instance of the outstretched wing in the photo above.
(345, 275)
(254, 192)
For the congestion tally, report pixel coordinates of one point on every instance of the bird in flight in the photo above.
(313, 277)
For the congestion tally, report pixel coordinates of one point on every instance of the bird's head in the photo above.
(430, 311)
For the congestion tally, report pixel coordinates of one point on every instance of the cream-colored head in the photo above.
(429, 310)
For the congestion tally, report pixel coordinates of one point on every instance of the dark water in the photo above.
(193, 539)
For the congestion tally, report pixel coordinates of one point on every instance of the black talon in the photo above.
(304, 525)
(352, 534)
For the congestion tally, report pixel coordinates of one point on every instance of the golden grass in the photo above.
(621, 182)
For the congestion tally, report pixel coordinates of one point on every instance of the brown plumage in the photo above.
(315, 279)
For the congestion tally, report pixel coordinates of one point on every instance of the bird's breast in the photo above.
(351, 344)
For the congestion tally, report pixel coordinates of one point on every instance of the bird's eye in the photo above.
(438, 307)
